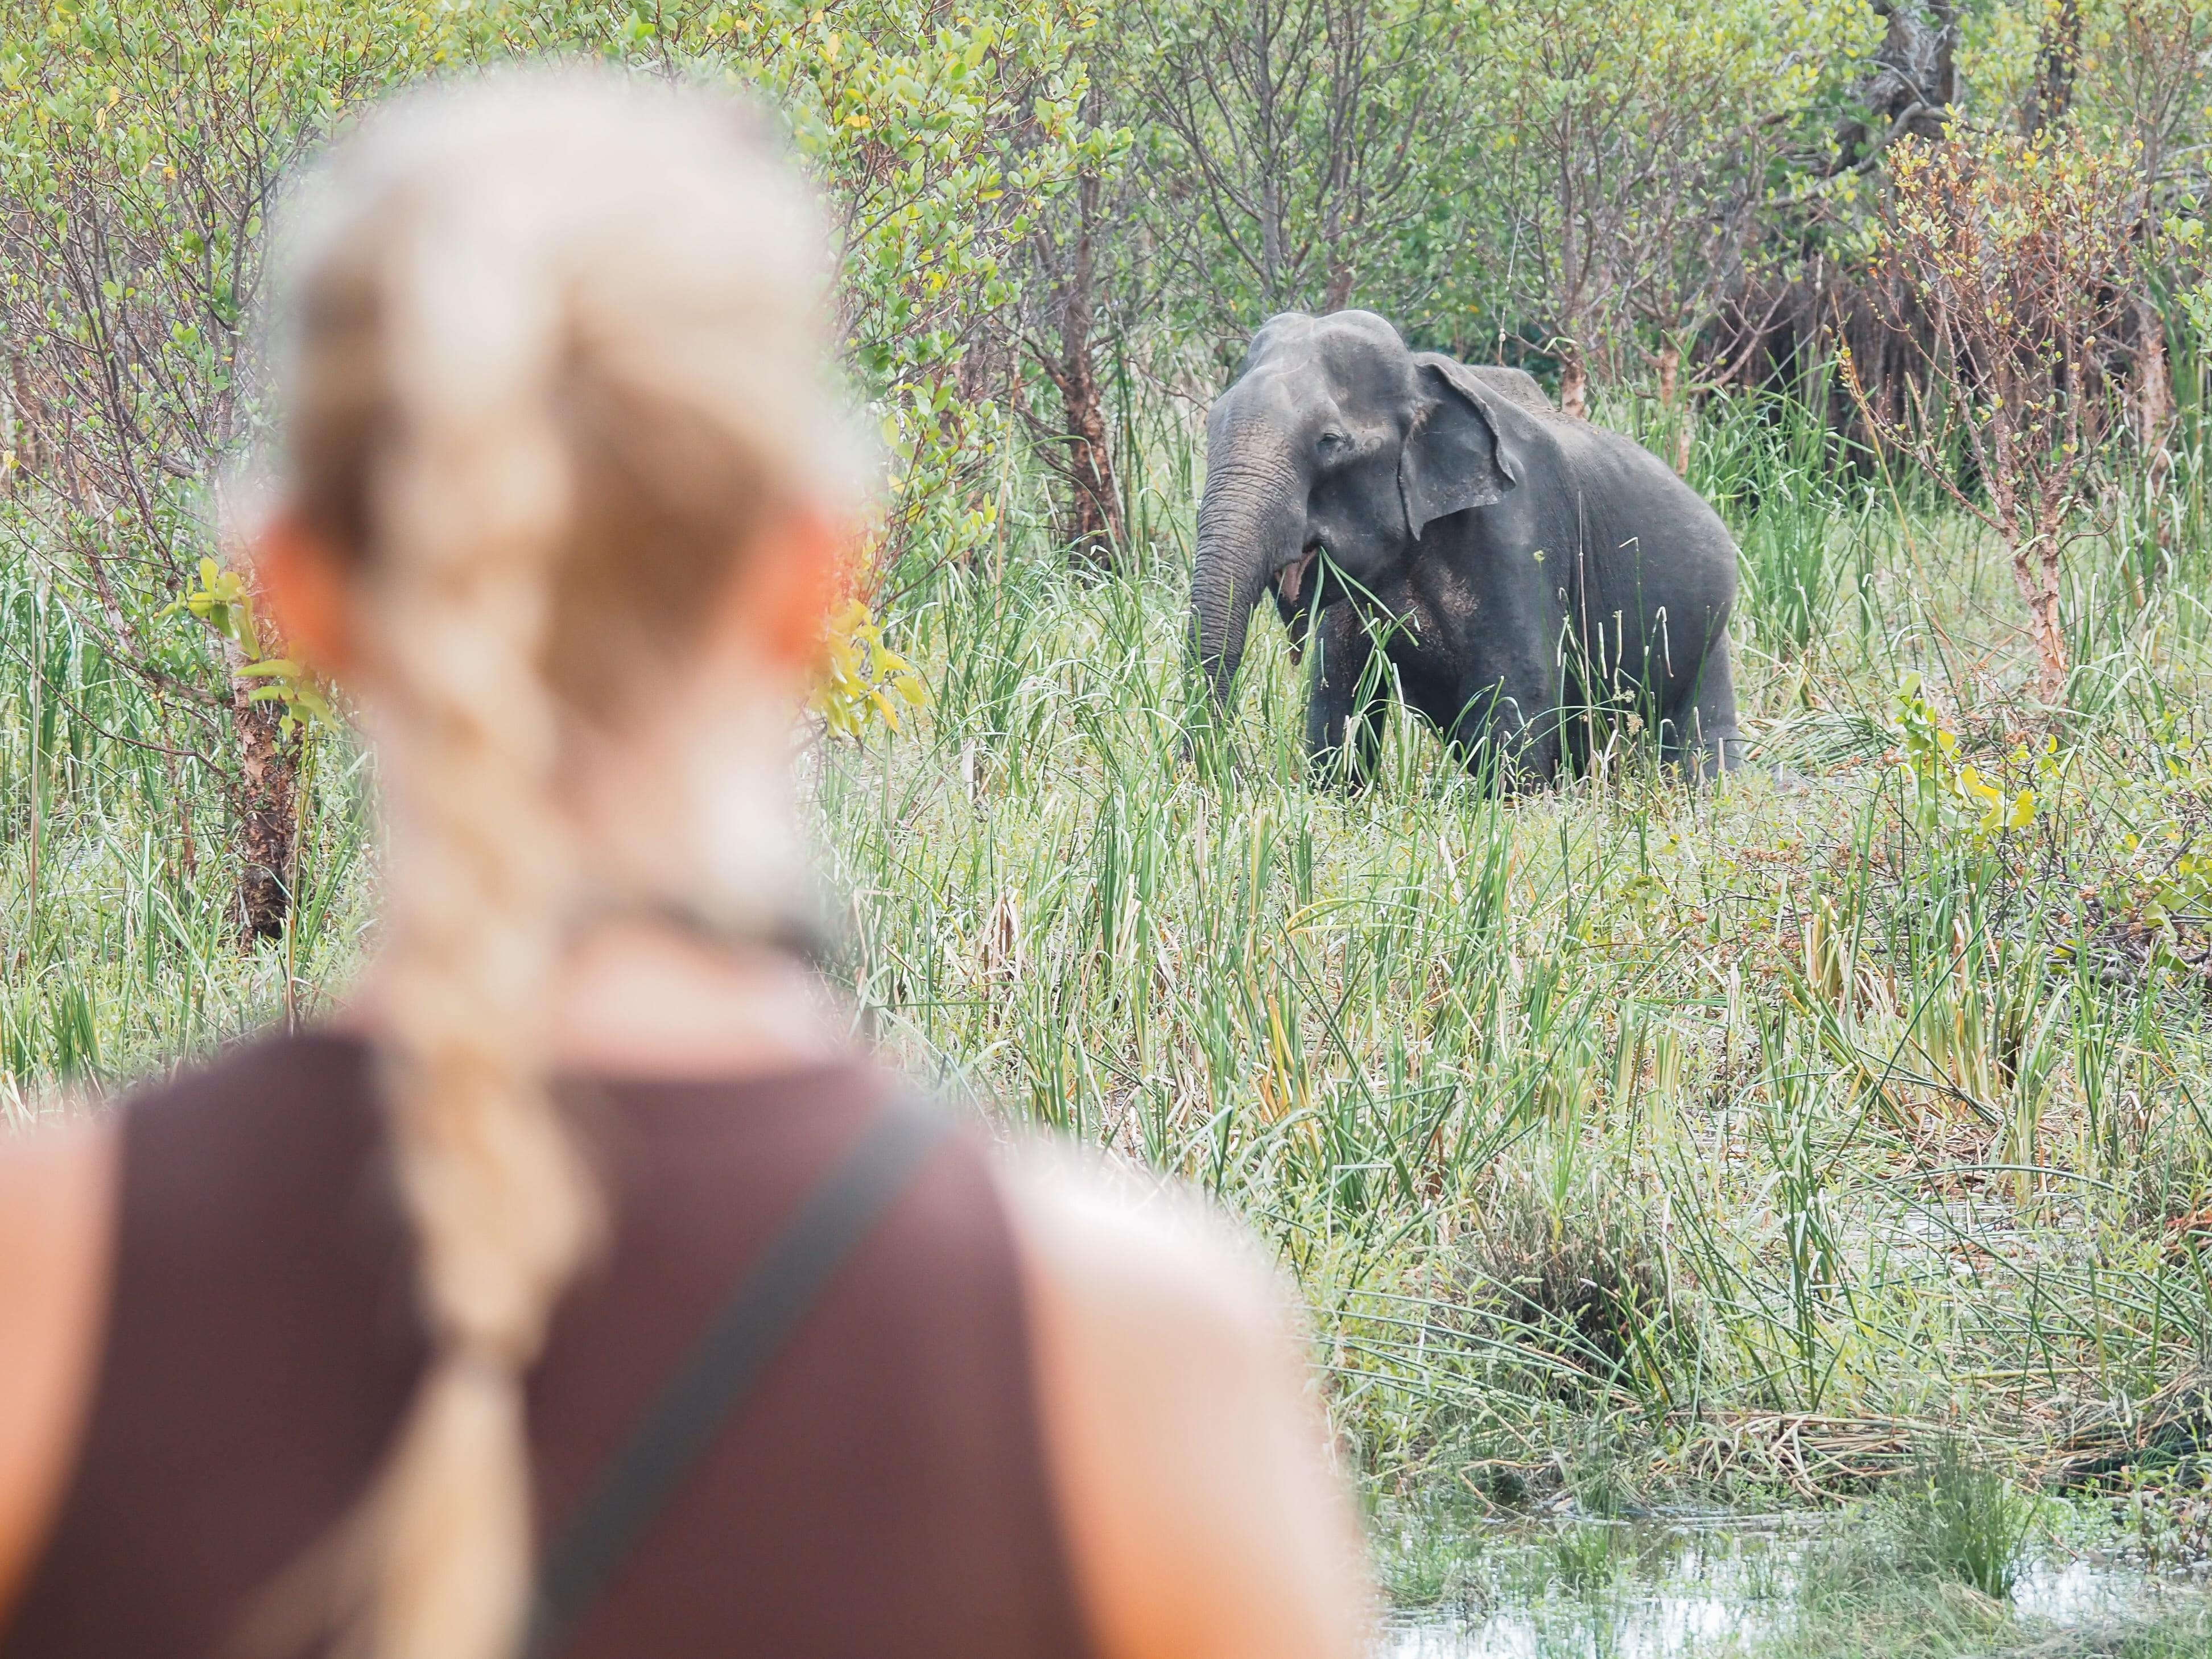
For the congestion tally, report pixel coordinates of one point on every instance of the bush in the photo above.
(1574, 1275)
(143, 150)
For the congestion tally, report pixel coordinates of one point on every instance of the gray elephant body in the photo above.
(1533, 582)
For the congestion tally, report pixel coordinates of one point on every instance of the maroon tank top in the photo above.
(881, 1491)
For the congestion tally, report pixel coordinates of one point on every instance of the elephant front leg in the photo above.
(1507, 734)
(1701, 736)
(1345, 710)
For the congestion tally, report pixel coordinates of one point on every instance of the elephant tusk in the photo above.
(1291, 575)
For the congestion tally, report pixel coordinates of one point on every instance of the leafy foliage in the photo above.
(1863, 1110)
(2023, 257)
(938, 134)
(1627, 152)
(1951, 792)
(143, 149)
(224, 601)
(864, 677)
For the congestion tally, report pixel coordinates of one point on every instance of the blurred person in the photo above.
(577, 1290)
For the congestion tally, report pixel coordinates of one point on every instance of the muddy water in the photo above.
(1687, 1590)
(1630, 1591)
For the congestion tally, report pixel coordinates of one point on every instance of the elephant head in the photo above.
(1335, 437)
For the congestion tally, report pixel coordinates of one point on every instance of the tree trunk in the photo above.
(1574, 381)
(2153, 390)
(9, 459)
(985, 366)
(2035, 573)
(1671, 378)
(1093, 529)
(24, 445)
(2052, 95)
(1340, 286)
(264, 805)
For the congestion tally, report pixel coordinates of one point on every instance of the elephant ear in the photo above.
(1455, 457)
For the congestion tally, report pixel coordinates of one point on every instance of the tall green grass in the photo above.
(1903, 1117)
(119, 941)
(1622, 1140)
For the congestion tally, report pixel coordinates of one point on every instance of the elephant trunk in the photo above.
(1251, 523)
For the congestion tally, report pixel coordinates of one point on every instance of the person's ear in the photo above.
(301, 583)
(790, 578)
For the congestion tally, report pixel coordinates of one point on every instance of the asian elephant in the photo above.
(1532, 583)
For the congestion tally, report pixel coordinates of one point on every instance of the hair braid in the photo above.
(556, 353)
(473, 501)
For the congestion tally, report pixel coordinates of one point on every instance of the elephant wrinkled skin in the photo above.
(1533, 584)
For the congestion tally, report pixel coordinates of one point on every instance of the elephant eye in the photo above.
(1332, 442)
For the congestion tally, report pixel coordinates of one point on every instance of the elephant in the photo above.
(1533, 583)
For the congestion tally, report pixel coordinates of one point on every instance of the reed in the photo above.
(1867, 1118)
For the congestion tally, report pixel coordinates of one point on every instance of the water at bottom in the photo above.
(1699, 1589)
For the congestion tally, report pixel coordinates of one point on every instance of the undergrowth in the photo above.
(1631, 1143)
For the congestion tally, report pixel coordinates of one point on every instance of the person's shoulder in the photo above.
(1201, 1509)
(57, 1205)
(1135, 1246)
(255, 1077)
(74, 1143)
(57, 1182)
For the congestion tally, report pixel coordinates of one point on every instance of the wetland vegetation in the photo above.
(1773, 1218)
(1638, 1152)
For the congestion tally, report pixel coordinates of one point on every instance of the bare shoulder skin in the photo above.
(57, 1210)
(1203, 1517)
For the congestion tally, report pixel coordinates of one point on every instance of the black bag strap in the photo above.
(771, 1298)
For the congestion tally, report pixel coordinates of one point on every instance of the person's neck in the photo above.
(641, 999)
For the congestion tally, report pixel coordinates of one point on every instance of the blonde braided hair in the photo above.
(554, 348)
